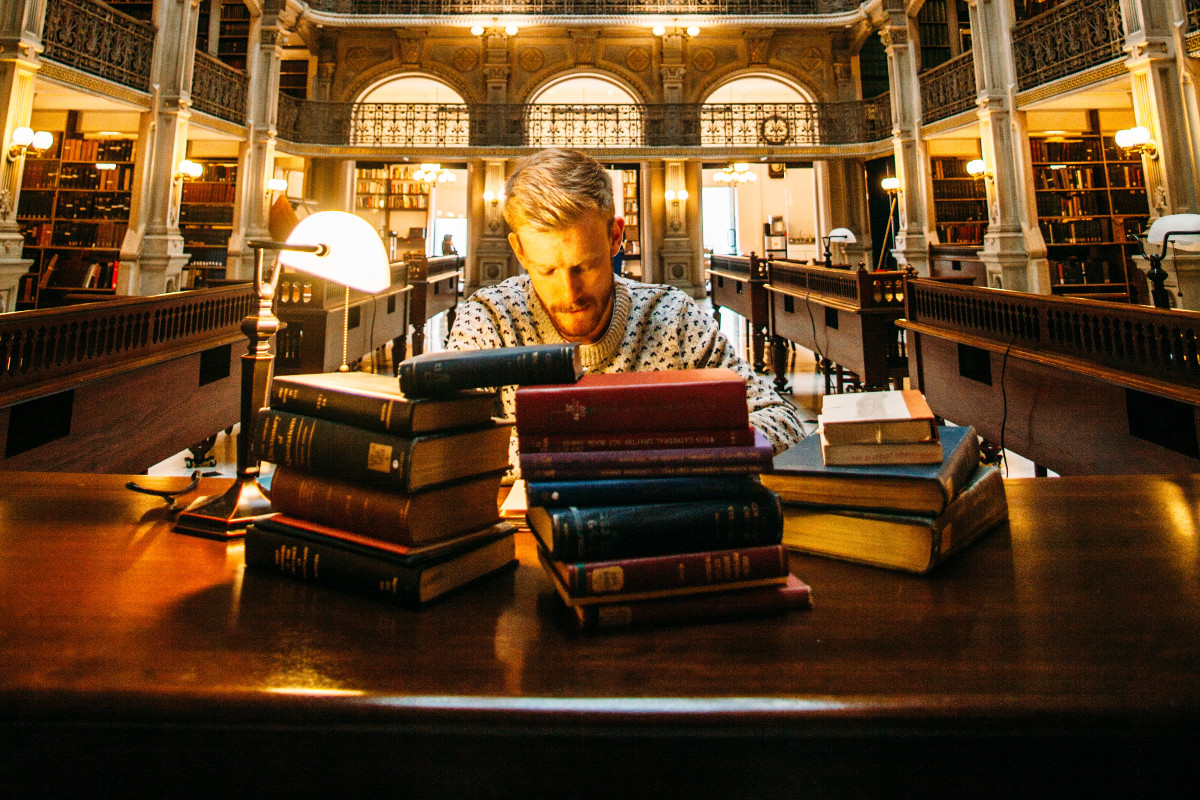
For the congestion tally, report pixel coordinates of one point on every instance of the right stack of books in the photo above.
(884, 485)
(378, 493)
(644, 499)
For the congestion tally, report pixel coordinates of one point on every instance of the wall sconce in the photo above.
(277, 185)
(336, 246)
(1185, 230)
(492, 198)
(891, 185)
(188, 170)
(978, 170)
(661, 30)
(477, 30)
(836, 235)
(26, 140)
(674, 197)
(1137, 140)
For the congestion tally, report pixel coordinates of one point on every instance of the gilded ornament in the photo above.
(466, 59)
(703, 59)
(637, 59)
(532, 59)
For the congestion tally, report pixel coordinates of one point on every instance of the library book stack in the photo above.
(644, 499)
(377, 493)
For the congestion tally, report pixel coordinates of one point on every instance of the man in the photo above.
(559, 205)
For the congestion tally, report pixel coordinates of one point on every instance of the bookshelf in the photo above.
(73, 213)
(389, 197)
(138, 9)
(293, 77)
(206, 218)
(233, 34)
(631, 210)
(1091, 203)
(203, 15)
(934, 34)
(959, 201)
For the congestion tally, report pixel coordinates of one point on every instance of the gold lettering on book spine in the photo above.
(607, 579)
(379, 457)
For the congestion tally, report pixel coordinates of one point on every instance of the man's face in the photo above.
(571, 271)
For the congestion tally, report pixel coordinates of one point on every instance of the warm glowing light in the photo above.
(669, 194)
(477, 30)
(314, 692)
(693, 30)
(976, 167)
(277, 185)
(681, 195)
(189, 169)
(22, 137)
(658, 30)
(104, 166)
(489, 196)
(890, 184)
(842, 235)
(1132, 137)
(42, 140)
(352, 252)
(511, 29)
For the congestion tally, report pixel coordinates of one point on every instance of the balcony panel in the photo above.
(1067, 39)
(99, 40)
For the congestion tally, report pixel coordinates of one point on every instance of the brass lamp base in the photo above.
(225, 516)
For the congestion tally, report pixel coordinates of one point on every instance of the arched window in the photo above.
(584, 111)
(410, 111)
(756, 111)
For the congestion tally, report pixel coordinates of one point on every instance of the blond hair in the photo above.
(553, 188)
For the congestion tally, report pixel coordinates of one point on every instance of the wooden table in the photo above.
(1060, 653)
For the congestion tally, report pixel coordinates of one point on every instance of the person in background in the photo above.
(448, 248)
(559, 205)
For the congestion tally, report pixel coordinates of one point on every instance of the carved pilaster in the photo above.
(585, 46)
(912, 159)
(493, 256)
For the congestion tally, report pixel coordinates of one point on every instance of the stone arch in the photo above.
(593, 108)
(389, 71)
(634, 92)
(806, 93)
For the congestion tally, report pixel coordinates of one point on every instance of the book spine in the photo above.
(332, 567)
(674, 571)
(577, 408)
(617, 532)
(321, 447)
(710, 606)
(635, 463)
(961, 465)
(981, 505)
(626, 440)
(634, 491)
(377, 413)
(480, 368)
(372, 512)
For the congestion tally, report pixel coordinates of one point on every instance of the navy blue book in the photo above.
(638, 491)
(799, 475)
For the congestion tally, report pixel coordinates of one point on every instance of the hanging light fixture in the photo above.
(736, 174)
(434, 173)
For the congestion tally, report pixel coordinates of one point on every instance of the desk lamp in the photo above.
(338, 247)
(1181, 230)
(836, 235)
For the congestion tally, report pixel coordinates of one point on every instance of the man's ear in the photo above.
(514, 242)
(616, 235)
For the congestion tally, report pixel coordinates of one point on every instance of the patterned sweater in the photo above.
(653, 327)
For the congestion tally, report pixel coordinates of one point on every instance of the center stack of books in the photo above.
(379, 493)
(884, 484)
(645, 502)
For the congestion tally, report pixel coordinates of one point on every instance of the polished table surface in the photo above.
(1071, 635)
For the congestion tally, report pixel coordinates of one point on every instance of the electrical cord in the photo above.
(1004, 405)
(169, 497)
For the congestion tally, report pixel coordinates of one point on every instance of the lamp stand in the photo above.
(226, 516)
(1160, 295)
(887, 233)
(828, 253)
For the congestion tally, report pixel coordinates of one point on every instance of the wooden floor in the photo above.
(807, 388)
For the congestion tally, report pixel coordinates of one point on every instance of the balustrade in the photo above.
(1193, 16)
(219, 89)
(587, 8)
(1067, 39)
(99, 40)
(948, 88)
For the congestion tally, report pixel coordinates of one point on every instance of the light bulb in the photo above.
(682, 194)
(477, 30)
(669, 194)
(22, 137)
(693, 30)
(43, 140)
(511, 29)
(658, 30)
(277, 185)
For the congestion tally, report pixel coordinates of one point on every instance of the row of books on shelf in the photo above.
(78, 272)
(1086, 271)
(80, 176)
(1087, 231)
(104, 234)
(208, 192)
(961, 210)
(961, 232)
(1068, 150)
(943, 168)
(959, 190)
(39, 174)
(677, 513)
(115, 150)
(1072, 205)
(1069, 178)
(92, 205)
(394, 202)
(204, 213)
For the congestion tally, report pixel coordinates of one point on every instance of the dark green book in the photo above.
(576, 533)
(634, 491)
(439, 374)
(331, 449)
(800, 475)
(373, 401)
(383, 572)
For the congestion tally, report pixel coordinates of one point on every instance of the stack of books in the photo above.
(909, 517)
(644, 499)
(890, 427)
(378, 493)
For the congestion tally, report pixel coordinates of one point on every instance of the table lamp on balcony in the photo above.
(836, 235)
(338, 247)
(1181, 230)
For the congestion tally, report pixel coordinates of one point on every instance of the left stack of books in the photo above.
(644, 499)
(377, 493)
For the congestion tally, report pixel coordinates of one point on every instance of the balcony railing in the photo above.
(587, 8)
(1067, 39)
(219, 89)
(1193, 16)
(577, 125)
(99, 40)
(948, 88)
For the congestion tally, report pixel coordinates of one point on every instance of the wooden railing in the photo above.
(1154, 343)
(859, 288)
(53, 349)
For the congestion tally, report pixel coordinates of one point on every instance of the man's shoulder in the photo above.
(659, 299)
(506, 293)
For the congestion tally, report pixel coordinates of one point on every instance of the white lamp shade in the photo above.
(43, 140)
(1176, 222)
(890, 184)
(976, 166)
(842, 234)
(355, 256)
(23, 137)
(1132, 137)
(277, 184)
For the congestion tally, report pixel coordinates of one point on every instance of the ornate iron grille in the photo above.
(760, 124)
(410, 124)
(219, 89)
(1069, 38)
(1193, 16)
(877, 113)
(948, 88)
(99, 40)
(584, 125)
(582, 8)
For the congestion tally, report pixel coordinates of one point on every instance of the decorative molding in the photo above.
(1071, 83)
(637, 59)
(466, 59)
(531, 59)
(90, 84)
(703, 59)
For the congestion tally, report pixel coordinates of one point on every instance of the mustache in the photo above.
(572, 308)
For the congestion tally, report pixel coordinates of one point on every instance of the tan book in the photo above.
(877, 417)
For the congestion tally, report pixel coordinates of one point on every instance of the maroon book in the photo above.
(635, 440)
(682, 399)
(745, 459)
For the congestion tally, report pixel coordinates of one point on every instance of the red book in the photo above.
(795, 594)
(607, 581)
(740, 460)
(682, 399)
(635, 440)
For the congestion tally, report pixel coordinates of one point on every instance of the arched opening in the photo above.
(584, 110)
(770, 208)
(410, 111)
